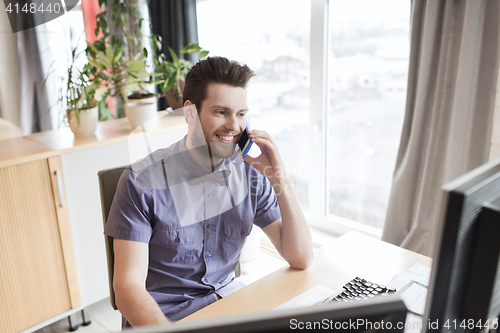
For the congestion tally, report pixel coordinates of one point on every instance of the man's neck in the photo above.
(203, 156)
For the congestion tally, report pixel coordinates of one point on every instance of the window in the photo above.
(345, 177)
(368, 69)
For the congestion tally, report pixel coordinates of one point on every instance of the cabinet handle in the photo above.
(59, 188)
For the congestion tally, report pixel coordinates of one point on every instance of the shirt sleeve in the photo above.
(129, 213)
(267, 210)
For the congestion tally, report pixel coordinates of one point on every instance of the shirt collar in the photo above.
(191, 164)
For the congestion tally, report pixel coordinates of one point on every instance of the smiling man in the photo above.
(180, 217)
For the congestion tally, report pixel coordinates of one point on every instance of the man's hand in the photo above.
(268, 163)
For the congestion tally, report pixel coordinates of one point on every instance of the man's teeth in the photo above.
(226, 138)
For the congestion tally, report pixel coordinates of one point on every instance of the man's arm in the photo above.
(290, 234)
(129, 284)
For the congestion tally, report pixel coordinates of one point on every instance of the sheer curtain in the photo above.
(454, 59)
(24, 61)
(9, 67)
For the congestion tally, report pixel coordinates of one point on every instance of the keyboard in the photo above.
(358, 289)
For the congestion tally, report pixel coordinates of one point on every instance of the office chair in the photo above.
(108, 180)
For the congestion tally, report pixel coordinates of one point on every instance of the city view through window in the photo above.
(368, 71)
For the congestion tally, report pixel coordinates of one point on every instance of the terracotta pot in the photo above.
(86, 122)
(172, 97)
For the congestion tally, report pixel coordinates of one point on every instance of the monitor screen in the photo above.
(462, 292)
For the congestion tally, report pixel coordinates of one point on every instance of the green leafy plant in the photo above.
(115, 75)
(117, 58)
(77, 91)
(171, 73)
(121, 19)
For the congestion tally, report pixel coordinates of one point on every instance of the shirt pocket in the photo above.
(179, 244)
(235, 234)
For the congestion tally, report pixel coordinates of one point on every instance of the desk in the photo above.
(334, 264)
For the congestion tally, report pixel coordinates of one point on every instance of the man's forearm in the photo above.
(296, 236)
(138, 307)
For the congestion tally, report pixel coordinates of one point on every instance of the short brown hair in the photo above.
(214, 70)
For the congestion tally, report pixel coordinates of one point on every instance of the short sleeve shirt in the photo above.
(195, 227)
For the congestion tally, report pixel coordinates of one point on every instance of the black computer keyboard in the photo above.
(358, 289)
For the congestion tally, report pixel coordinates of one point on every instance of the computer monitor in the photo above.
(378, 314)
(464, 289)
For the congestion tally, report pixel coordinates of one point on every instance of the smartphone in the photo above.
(245, 143)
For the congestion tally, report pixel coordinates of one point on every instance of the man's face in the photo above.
(222, 118)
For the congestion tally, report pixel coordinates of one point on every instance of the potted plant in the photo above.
(123, 78)
(81, 104)
(173, 73)
(120, 61)
(78, 96)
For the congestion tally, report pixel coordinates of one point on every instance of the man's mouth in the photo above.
(226, 138)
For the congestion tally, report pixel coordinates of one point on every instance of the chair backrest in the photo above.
(108, 179)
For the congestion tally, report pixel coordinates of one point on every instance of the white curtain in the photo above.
(454, 59)
(25, 59)
(9, 68)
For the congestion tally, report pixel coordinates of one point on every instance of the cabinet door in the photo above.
(33, 279)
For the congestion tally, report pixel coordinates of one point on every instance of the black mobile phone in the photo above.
(244, 142)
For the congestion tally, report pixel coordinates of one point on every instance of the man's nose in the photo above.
(232, 123)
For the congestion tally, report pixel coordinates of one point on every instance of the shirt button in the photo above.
(177, 240)
(210, 194)
(209, 256)
(242, 232)
(210, 226)
(206, 280)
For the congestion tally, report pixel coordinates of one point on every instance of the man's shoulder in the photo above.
(149, 171)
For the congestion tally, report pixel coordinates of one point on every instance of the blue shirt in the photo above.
(195, 231)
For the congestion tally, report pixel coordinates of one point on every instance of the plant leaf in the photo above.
(118, 56)
(174, 56)
(100, 92)
(109, 54)
(191, 48)
(169, 83)
(134, 65)
(104, 58)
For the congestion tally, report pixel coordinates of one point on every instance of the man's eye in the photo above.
(221, 112)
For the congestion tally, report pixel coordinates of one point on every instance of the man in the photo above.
(180, 217)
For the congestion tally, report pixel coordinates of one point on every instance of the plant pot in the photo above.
(141, 111)
(173, 98)
(83, 122)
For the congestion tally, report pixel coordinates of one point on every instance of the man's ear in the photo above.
(190, 112)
